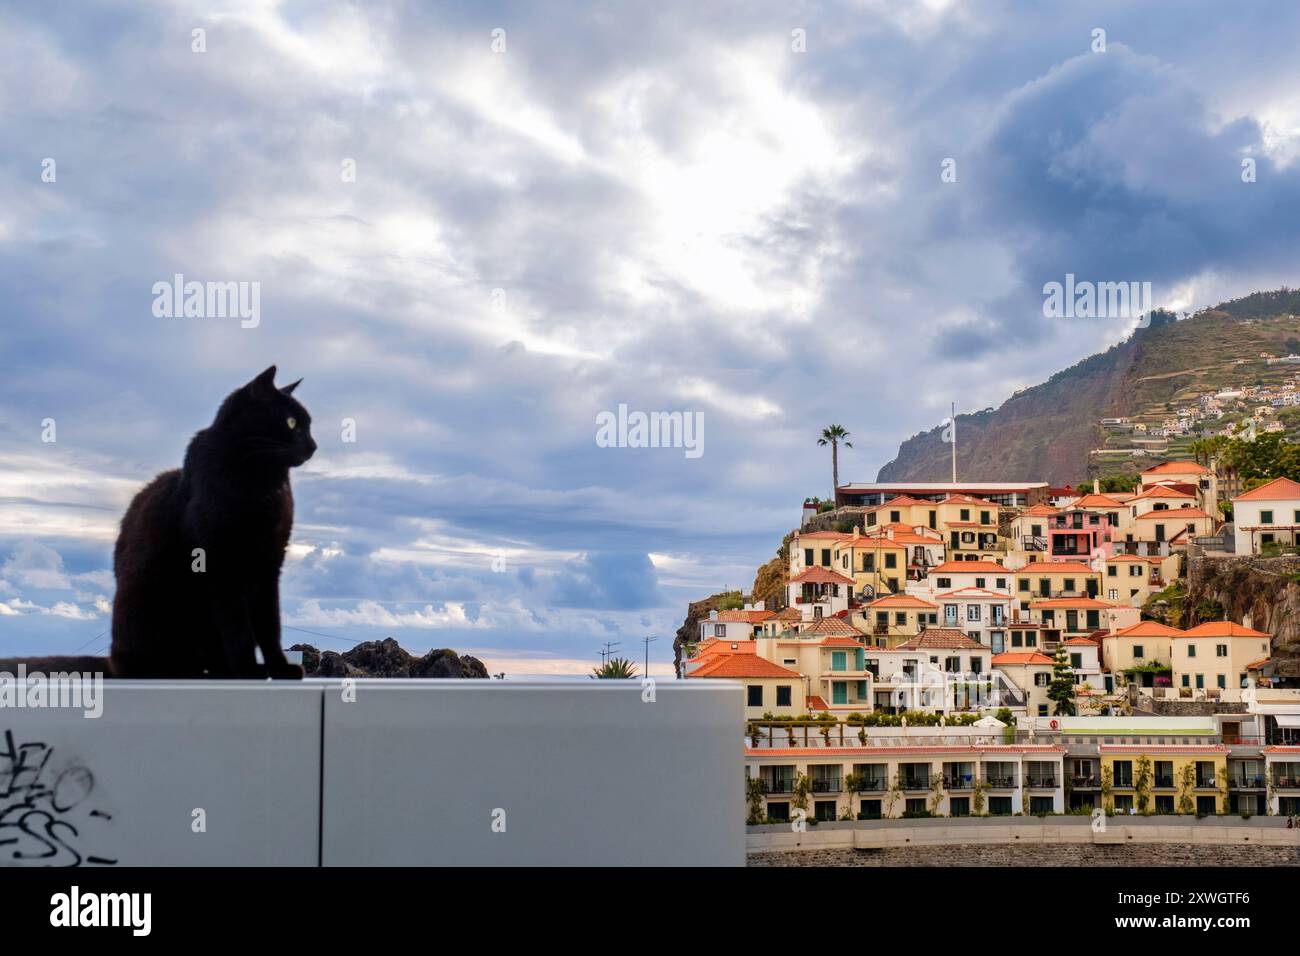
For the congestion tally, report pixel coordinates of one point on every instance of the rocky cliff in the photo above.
(1045, 433)
(387, 658)
(1262, 591)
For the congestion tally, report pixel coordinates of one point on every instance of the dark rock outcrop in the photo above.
(387, 658)
(1263, 591)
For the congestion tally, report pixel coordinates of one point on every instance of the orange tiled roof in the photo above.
(1148, 629)
(969, 567)
(831, 625)
(902, 600)
(1164, 514)
(1095, 500)
(1084, 602)
(975, 593)
(940, 638)
(820, 575)
(1163, 491)
(748, 617)
(1279, 489)
(1040, 509)
(1020, 657)
(741, 665)
(1222, 629)
(1056, 567)
(1177, 468)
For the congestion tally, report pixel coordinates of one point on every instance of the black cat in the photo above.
(199, 554)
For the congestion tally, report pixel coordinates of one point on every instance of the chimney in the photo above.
(856, 531)
(1096, 487)
(760, 606)
(1245, 620)
(713, 615)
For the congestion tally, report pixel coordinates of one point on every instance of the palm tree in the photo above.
(616, 668)
(835, 435)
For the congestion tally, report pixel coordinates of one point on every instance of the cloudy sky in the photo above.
(558, 208)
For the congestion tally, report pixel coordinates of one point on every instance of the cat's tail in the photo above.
(56, 665)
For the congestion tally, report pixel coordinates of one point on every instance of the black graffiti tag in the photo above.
(35, 807)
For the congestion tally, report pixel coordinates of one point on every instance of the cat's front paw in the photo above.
(286, 671)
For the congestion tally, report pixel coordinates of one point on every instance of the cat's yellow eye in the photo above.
(292, 423)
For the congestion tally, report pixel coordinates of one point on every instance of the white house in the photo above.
(1266, 515)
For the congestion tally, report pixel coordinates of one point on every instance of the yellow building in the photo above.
(1142, 645)
(769, 688)
(1185, 778)
(876, 563)
(1132, 579)
(898, 617)
(1217, 656)
(913, 512)
(1031, 671)
(1054, 579)
(971, 526)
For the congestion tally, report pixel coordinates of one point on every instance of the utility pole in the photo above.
(646, 641)
(608, 652)
(954, 443)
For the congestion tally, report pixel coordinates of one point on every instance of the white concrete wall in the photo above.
(125, 786)
(585, 772)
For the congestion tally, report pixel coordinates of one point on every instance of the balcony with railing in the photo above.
(1163, 782)
(1084, 782)
(1040, 782)
(1248, 782)
(827, 785)
(1033, 542)
(1000, 781)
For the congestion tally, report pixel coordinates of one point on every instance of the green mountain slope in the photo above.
(1046, 433)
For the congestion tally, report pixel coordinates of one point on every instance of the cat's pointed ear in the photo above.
(288, 389)
(265, 380)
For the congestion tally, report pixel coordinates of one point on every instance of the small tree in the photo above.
(895, 793)
(755, 790)
(936, 792)
(1107, 785)
(1142, 783)
(1187, 781)
(802, 787)
(616, 668)
(854, 784)
(1061, 689)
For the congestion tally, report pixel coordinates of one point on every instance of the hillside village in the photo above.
(945, 648)
(1243, 411)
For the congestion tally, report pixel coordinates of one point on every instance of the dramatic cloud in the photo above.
(471, 253)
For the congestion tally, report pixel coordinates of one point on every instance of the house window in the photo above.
(1000, 806)
(808, 556)
(719, 630)
(1042, 710)
(1069, 584)
(1123, 802)
(895, 516)
(826, 557)
(900, 618)
(869, 810)
(891, 560)
(1022, 584)
(1138, 652)
(916, 807)
(979, 582)
(944, 583)
(1123, 773)
(1200, 681)
(1076, 661)
(1187, 681)
(965, 514)
(1164, 804)
(1111, 571)
(1221, 650)
(1223, 681)
(783, 696)
(1002, 584)
(1041, 805)
(959, 807)
(984, 517)
(972, 612)
(754, 693)
(1042, 679)
(1266, 517)
(1191, 650)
